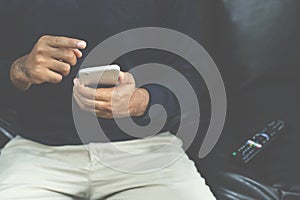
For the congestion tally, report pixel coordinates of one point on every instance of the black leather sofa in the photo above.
(255, 44)
(256, 47)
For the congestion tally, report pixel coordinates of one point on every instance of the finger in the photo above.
(103, 106)
(103, 114)
(60, 67)
(63, 54)
(81, 104)
(78, 53)
(53, 77)
(104, 94)
(99, 94)
(86, 92)
(90, 104)
(103, 109)
(85, 103)
(126, 78)
(96, 108)
(65, 42)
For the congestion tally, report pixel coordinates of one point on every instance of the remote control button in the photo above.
(256, 144)
(261, 138)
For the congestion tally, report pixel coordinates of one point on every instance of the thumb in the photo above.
(126, 78)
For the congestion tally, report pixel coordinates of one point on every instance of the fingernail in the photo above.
(81, 44)
(121, 76)
(76, 81)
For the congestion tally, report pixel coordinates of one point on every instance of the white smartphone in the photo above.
(101, 75)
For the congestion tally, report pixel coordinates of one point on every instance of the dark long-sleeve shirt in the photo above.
(44, 112)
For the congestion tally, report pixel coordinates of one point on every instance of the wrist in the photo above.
(139, 102)
(18, 75)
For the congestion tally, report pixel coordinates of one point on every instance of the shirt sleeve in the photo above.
(182, 16)
(9, 93)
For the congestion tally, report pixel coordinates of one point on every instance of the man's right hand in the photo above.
(50, 59)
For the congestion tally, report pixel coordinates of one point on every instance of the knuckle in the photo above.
(117, 97)
(56, 40)
(97, 106)
(99, 113)
(108, 108)
(74, 61)
(57, 80)
(35, 74)
(35, 77)
(129, 74)
(37, 81)
(39, 60)
(44, 38)
(39, 49)
(91, 104)
(70, 57)
(130, 77)
(81, 106)
(66, 70)
(71, 42)
(108, 115)
(84, 103)
(97, 96)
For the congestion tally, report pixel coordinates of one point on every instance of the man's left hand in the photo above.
(123, 100)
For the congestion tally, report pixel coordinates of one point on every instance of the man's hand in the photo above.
(120, 101)
(50, 59)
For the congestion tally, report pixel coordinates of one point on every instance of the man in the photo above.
(40, 62)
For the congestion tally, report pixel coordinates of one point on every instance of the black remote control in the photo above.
(259, 141)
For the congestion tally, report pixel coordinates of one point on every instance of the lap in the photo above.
(28, 173)
(31, 171)
(178, 181)
(175, 191)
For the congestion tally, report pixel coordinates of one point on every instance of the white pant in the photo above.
(29, 171)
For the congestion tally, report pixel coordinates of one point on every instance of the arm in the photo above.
(152, 94)
(50, 59)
